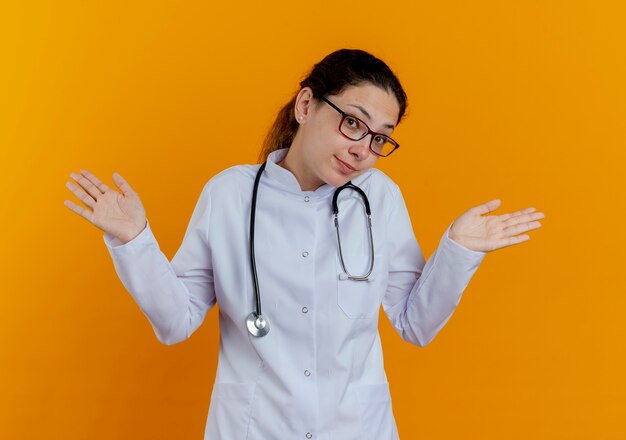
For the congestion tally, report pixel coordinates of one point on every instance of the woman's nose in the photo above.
(361, 149)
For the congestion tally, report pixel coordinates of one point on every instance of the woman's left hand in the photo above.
(479, 232)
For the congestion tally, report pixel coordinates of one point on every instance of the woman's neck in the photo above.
(295, 163)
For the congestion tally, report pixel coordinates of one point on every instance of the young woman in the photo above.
(299, 288)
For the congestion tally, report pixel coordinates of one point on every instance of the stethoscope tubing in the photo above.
(346, 275)
(256, 323)
(252, 255)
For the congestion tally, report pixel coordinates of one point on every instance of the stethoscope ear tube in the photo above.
(357, 189)
(346, 275)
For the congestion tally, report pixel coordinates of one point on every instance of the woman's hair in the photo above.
(338, 70)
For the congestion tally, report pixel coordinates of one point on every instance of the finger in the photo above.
(122, 184)
(486, 208)
(526, 218)
(524, 227)
(87, 185)
(510, 241)
(507, 216)
(84, 213)
(93, 179)
(81, 194)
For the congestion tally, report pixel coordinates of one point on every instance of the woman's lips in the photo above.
(345, 168)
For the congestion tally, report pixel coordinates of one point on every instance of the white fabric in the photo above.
(320, 371)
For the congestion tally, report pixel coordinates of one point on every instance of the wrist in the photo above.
(133, 234)
(454, 238)
(451, 233)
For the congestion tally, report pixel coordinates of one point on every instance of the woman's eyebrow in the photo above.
(367, 115)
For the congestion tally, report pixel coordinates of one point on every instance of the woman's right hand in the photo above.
(119, 214)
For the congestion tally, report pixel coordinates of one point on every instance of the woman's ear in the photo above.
(304, 104)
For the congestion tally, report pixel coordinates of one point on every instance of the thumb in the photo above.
(486, 208)
(122, 184)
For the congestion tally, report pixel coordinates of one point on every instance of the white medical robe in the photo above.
(319, 372)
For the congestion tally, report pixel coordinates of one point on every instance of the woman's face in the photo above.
(321, 154)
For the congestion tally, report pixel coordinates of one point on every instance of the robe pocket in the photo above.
(377, 422)
(230, 409)
(361, 299)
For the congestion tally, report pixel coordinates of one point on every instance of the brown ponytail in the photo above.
(282, 132)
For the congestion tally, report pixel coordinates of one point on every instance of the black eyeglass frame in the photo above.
(345, 115)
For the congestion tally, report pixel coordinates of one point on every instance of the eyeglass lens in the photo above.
(356, 129)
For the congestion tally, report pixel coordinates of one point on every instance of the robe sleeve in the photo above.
(175, 296)
(421, 296)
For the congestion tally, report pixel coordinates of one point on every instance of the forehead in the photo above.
(371, 103)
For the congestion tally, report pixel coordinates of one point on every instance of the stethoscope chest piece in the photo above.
(257, 324)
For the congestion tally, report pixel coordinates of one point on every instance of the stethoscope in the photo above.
(257, 324)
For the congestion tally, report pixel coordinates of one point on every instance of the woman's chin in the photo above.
(338, 179)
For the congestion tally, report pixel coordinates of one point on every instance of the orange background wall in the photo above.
(525, 101)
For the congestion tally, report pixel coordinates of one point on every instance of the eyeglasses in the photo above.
(355, 129)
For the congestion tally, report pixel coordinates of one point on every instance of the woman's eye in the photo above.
(380, 140)
(352, 122)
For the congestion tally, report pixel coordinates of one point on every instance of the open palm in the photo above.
(479, 232)
(119, 214)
